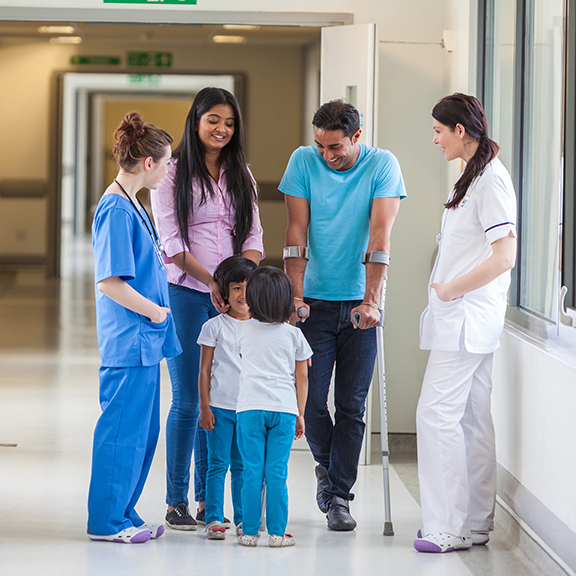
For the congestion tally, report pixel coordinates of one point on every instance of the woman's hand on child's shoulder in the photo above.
(206, 419)
(300, 427)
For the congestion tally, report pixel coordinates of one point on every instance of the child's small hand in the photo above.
(206, 419)
(300, 427)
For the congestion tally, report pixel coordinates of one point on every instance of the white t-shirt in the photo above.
(269, 354)
(220, 333)
(486, 214)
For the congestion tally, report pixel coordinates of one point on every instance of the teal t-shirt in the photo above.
(340, 207)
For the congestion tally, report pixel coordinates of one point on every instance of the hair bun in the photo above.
(131, 128)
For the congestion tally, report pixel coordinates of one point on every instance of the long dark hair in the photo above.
(467, 110)
(191, 156)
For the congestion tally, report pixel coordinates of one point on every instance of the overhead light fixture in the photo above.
(57, 30)
(222, 39)
(66, 40)
(240, 27)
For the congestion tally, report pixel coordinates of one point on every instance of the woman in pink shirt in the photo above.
(206, 210)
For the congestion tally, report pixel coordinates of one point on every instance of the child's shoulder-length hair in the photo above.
(270, 295)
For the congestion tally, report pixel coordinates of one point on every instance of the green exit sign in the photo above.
(149, 1)
(149, 59)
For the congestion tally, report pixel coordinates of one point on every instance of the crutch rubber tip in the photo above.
(388, 530)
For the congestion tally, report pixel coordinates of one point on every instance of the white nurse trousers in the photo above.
(456, 452)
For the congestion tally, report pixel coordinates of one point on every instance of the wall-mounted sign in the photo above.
(149, 1)
(147, 79)
(150, 59)
(95, 60)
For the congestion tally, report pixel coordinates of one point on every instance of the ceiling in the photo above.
(93, 33)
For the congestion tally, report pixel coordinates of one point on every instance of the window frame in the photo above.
(551, 331)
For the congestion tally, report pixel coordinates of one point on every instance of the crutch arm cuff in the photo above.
(376, 257)
(295, 252)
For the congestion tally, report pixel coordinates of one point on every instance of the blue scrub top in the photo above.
(340, 208)
(123, 247)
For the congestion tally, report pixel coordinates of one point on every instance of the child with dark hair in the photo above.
(271, 401)
(218, 384)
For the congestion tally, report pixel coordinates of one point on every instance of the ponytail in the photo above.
(467, 111)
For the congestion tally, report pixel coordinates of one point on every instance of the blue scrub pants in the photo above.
(190, 309)
(265, 439)
(223, 452)
(124, 444)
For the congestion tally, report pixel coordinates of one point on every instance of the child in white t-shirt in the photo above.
(270, 409)
(218, 383)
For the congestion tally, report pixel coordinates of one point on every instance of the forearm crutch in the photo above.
(388, 529)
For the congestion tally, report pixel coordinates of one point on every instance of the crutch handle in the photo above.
(356, 318)
(302, 312)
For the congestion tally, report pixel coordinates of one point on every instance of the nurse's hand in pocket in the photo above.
(444, 291)
(160, 316)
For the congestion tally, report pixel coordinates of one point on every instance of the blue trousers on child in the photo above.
(223, 453)
(125, 440)
(265, 439)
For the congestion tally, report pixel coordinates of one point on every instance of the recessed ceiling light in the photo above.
(66, 40)
(57, 30)
(240, 27)
(221, 39)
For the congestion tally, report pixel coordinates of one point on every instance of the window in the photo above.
(522, 75)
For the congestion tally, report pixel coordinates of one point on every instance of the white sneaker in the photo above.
(156, 530)
(441, 542)
(130, 535)
(480, 538)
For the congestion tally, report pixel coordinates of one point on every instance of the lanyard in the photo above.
(158, 248)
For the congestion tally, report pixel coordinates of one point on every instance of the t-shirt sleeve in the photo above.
(113, 245)
(303, 350)
(389, 182)
(293, 182)
(209, 333)
(496, 202)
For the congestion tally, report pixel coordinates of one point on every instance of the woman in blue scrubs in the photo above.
(135, 331)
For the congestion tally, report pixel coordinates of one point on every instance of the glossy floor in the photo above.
(48, 407)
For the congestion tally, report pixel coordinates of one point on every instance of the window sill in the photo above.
(557, 341)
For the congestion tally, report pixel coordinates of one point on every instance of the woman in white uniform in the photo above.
(461, 327)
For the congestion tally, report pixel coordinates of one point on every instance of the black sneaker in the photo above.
(201, 519)
(181, 519)
(322, 485)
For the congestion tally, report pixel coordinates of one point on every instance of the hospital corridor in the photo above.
(49, 405)
(70, 70)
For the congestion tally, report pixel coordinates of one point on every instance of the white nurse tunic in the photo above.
(486, 214)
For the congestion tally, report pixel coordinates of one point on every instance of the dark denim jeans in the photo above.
(337, 444)
(190, 310)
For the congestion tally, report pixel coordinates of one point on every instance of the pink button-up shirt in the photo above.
(210, 228)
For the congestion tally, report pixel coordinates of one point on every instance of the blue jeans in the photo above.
(190, 310)
(337, 444)
(223, 452)
(265, 439)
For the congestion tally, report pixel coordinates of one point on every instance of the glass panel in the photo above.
(542, 155)
(502, 113)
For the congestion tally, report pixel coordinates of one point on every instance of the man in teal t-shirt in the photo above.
(342, 199)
